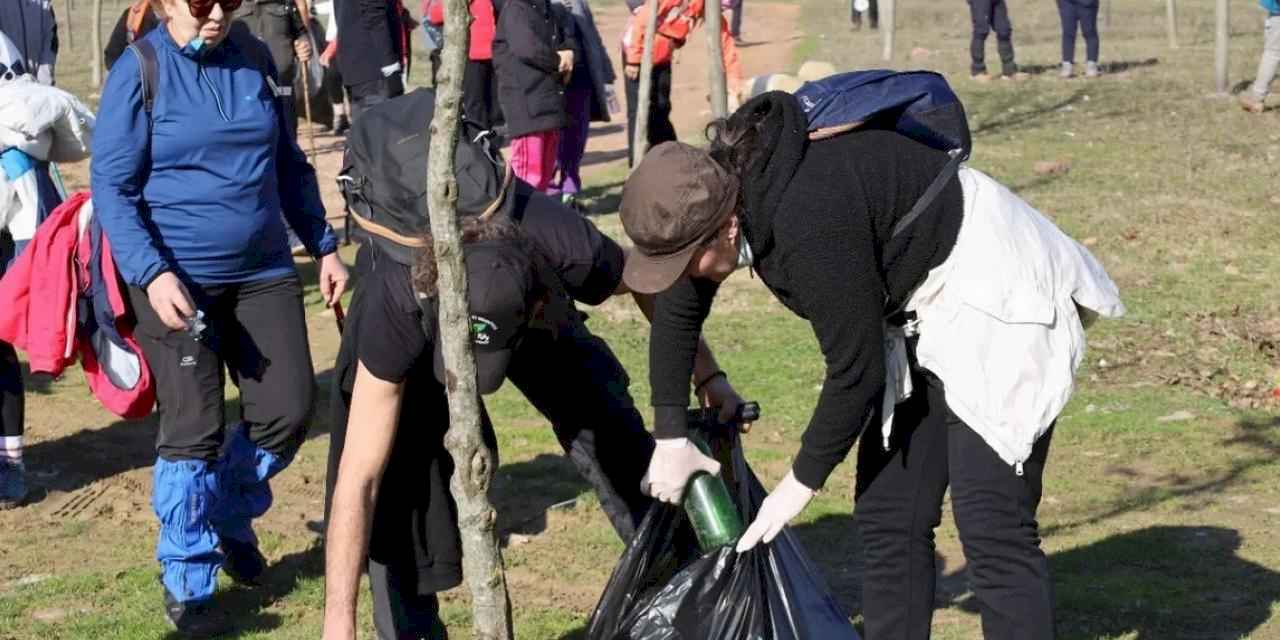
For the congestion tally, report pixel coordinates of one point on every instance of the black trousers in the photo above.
(367, 94)
(12, 398)
(399, 611)
(988, 16)
(257, 331)
(579, 385)
(899, 504)
(660, 127)
(1084, 16)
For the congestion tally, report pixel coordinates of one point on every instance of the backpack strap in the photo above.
(149, 71)
(948, 172)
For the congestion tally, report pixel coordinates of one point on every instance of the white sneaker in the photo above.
(1067, 71)
(1091, 70)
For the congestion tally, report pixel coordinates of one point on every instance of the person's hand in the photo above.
(717, 392)
(784, 503)
(674, 461)
(330, 52)
(333, 278)
(566, 61)
(302, 47)
(171, 301)
(632, 71)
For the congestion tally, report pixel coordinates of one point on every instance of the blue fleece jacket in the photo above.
(1272, 7)
(201, 194)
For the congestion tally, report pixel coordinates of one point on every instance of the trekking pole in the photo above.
(306, 107)
(304, 13)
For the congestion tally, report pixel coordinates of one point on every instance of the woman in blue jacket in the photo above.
(189, 187)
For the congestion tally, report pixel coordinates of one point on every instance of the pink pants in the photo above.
(533, 157)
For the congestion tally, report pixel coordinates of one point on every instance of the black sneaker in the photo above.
(341, 125)
(243, 562)
(192, 619)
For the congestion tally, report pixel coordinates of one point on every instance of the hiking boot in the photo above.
(1067, 71)
(1092, 70)
(192, 619)
(1016, 76)
(981, 78)
(243, 562)
(13, 484)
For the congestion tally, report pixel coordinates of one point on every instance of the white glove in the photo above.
(674, 461)
(786, 502)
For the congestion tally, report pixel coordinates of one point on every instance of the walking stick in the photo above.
(304, 13)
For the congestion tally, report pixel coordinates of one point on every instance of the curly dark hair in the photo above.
(474, 229)
(735, 143)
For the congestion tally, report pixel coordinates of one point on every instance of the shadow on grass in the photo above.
(603, 198)
(80, 459)
(1157, 582)
(247, 607)
(603, 157)
(523, 493)
(1020, 118)
(1261, 437)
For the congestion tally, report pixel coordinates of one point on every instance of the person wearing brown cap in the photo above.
(388, 471)
(976, 307)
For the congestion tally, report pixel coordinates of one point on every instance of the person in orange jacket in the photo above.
(676, 19)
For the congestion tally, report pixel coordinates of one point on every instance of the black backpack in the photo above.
(384, 173)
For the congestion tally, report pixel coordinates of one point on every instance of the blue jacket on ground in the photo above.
(1272, 6)
(201, 193)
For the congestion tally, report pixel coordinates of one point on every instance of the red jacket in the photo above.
(676, 18)
(482, 25)
(43, 293)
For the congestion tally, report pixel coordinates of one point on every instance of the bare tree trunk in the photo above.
(1223, 43)
(646, 86)
(474, 461)
(96, 58)
(1171, 22)
(888, 24)
(719, 93)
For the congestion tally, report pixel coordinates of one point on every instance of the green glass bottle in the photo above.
(710, 508)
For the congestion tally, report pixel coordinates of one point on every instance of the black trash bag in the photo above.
(665, 589)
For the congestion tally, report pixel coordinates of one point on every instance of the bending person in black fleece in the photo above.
(976, 306)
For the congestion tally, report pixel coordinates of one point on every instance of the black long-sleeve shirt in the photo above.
(820, 232)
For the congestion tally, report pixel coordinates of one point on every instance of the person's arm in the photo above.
(371, 429)
(675, 334)
(705, 367)
(121, 164)
(838, 285)
(732, 63)
(515, 37)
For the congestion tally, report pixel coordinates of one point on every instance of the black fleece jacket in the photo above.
(818, 217)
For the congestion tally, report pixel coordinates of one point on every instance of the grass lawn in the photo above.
(1162, 493)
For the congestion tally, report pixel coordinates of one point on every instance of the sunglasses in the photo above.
(202, 8)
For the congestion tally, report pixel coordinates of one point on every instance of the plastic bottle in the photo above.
(711, 509)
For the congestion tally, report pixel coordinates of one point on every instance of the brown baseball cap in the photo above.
(676, 199)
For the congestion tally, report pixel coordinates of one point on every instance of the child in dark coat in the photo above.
(533, 58)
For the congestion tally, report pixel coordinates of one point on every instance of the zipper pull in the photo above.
(1017, 468)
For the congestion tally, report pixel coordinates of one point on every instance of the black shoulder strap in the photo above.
(948, 172)
(150, 71)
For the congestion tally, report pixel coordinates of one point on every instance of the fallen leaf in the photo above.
(1231, 270)
(1178, 416)
(1090, 241)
